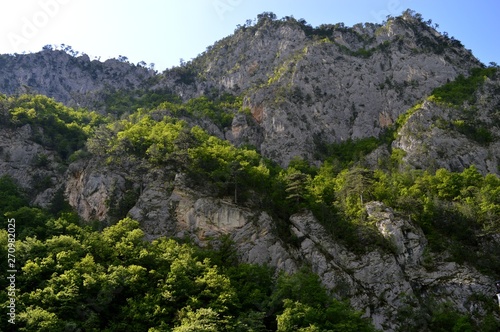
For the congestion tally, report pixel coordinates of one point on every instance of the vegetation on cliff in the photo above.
(75, 275)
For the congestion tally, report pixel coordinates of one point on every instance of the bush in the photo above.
(462, 88)
(54, 125)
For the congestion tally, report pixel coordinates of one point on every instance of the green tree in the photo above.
(38, 319)
(200, 320)
(296, 183)
(308, 307)
(310, 318)
(353, 188)
(56, 126)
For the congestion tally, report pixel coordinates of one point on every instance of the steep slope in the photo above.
(75, 81)
(39, 137)
(397, 226)
(390, 268)
(308, 87)
(454, 130)
(305, 87)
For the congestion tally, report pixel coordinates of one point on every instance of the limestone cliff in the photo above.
(73, 80)
(307, 87)
(383, 283)
(36, 169)
(440, 135)
(302, 88)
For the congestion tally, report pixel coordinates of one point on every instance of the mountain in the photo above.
(316, 86)
(366, 155)
(74, 80)
(307, 87)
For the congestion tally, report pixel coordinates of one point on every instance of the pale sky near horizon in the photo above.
(164, 31)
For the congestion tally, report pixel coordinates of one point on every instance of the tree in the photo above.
(337, 316)
(296, 183)
(353, 187)
(236, 171)
(266, 16)
(122, 58)
(307, 307)
(201, 320)
(37, 319)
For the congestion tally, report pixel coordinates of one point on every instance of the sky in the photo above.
(164, 31)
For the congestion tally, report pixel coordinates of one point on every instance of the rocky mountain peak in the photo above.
(367, 154)
(69, 78)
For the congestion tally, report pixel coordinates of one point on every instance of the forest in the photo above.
(75, 275)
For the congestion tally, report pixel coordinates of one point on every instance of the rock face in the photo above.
(74, 81)
(35, 168)
(307, 88)
(89, 189)
(440, 136)
(382, 283)
(409, 241)
(302, 88)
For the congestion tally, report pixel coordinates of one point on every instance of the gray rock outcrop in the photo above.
(437, 135)
(302, 89)
(74, 81)
(381, 283)
(36, 169)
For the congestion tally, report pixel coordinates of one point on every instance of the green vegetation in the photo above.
(76, 278)
(462, 89)
(447, 205)
(460, 94)
(119, 102)
(219, 108)
(436, 316)
(52, 124)
(473, 130)
(11, 197)
(347, 152)
(455, 210)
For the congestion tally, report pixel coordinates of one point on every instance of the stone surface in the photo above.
(89, 188)
(303, 90)
(299, 92)
(75, 81)
(19, 155)
(430, 139)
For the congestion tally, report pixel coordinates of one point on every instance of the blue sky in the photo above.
(164, 31)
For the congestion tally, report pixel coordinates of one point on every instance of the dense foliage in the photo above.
(120, 102)
(447, 205)
(462, 94)
(219, 108)
(463, 89)
(52, 124)
(76, 278)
